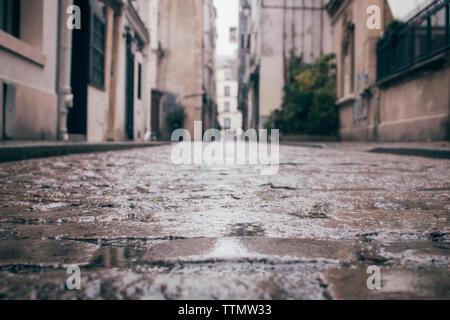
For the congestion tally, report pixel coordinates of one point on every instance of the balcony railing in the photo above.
(417, 40)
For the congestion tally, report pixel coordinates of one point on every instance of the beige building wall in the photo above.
(416, 109)
(270, 86)
(30, 64)
(279, 29)
(356, 67)
(98, 101)
(181, 67)
(152, 23)
(413, 107)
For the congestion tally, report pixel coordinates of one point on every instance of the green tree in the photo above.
(309, 98)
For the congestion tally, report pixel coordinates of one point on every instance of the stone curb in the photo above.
(25, 152)
(417, 152)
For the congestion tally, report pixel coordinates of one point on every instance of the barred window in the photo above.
(98, 53)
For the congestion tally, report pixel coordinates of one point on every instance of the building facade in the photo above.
(392, 88)
(230, 118)
(243, 74)
(186, 72)
(28, 69)
(74, 70)
(278, 30)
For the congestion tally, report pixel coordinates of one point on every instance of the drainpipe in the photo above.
(64, 89)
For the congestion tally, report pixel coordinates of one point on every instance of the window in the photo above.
(227, 106)
(227, 91)
(10, 17)
(139, 88)
(98, 53)
(227, 123)
(227, 75)
(348, 60)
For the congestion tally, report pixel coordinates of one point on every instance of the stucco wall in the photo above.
(416, 109)
(35, 115)
(413, 107)
(96, 122)
(181, 68)
(271, 86)
(36, 103)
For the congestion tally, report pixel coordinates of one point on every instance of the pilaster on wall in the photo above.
(116, 22)
(109, 60)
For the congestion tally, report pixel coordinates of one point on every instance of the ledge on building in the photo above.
(346, 100)
(22, 49)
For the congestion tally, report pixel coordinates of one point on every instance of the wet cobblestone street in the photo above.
(140, 227)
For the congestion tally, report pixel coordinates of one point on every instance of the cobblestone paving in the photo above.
(141, 227)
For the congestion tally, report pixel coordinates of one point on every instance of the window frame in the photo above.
(96, 69)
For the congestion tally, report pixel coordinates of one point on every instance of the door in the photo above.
(156, 103)
(129, 119)
(77, 117)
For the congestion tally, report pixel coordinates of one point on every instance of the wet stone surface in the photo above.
(140, 227)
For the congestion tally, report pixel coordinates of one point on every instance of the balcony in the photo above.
(415, 42)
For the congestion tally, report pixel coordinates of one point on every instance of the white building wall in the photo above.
(233, 114)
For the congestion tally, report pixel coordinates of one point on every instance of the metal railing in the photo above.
(414, 41)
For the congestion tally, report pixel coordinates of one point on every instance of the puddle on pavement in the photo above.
(246, 230)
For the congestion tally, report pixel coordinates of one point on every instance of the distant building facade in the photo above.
(397, 88)
(230, 118)
(275, 31)
(186, 71)
(243, 75)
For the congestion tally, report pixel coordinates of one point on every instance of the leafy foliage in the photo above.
(309, 98)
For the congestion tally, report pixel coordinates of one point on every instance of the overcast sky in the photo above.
(228, 16)
(402, 7)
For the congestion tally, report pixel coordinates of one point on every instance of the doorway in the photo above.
(155, 114)
(77, 117)
(129, 121)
